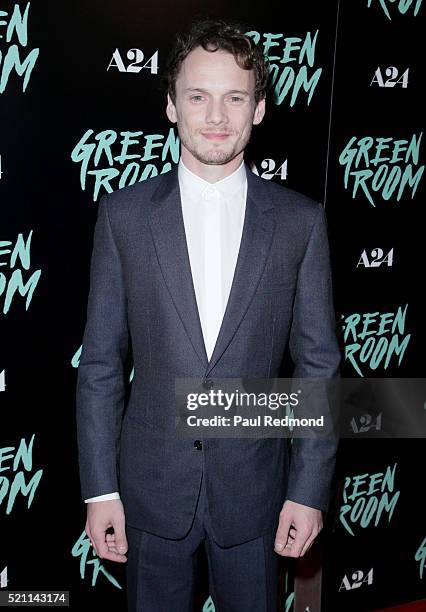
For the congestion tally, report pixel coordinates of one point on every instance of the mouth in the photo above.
(216, 136)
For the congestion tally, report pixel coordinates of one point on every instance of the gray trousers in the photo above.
(161, 573)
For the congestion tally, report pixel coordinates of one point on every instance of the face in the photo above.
(215, 107)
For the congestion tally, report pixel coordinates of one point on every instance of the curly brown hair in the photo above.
(213, 35)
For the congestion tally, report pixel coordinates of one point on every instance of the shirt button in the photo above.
(198, 444)
(208, 383)
(210, 193)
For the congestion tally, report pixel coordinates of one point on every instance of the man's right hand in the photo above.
(101, 516)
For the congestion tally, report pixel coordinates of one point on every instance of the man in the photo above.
(207, 271)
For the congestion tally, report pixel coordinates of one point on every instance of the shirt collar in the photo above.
(227, 187)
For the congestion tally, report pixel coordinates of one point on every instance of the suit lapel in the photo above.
(256, 241)
(168, 231)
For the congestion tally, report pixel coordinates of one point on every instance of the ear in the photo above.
(171, 110)
(259, 112)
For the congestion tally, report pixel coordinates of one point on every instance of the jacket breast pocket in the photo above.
(272, 285)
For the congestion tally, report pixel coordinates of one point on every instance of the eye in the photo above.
(236, 99)
(196, 98)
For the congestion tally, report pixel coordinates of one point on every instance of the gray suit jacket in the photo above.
(142, 299)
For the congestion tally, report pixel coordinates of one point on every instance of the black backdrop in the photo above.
(342, 70)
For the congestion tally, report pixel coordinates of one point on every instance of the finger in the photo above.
(286, 552)
(89, 534)
(113, 549)
(299, 542)
(87, 530)
(308, 543)
(113, 556)
(100, 544)
(307, 550)
(284, 525)
(120, 537)
(103, 552)
(311, 539)
(110, 539)
(281, 537)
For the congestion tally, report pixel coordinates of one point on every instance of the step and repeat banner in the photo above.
(82, 113)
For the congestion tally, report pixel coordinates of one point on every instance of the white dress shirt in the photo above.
(213, 215)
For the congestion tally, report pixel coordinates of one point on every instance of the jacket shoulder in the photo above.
(290, 197)
(289, 202)
(139, 193)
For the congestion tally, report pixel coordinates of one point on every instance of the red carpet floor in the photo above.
(416, 606)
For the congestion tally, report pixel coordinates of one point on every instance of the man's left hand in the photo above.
(298, 527)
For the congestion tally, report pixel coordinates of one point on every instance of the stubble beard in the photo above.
(212, 157)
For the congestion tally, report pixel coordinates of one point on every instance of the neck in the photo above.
(211, 172)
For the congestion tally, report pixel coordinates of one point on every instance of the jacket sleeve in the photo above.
(100, 391)
(316, 354)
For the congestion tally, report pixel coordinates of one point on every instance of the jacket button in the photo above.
(198, 444)
(208, 383)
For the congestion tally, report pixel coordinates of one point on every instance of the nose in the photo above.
(216, 112)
